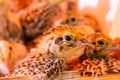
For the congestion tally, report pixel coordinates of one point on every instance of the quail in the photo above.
(96, 61)
(10, 54)
(49, 57)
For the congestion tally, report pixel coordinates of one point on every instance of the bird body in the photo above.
(40, 65)
(37, 18)
(96, 61)
(50, 55)
(77, 19)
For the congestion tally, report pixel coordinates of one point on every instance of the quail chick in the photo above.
(86, 23)
(103, 45)
(96, 61)
(10, 28)
(37, 18)
(83, 30)
(71, 16)
(10, 54)
(77, 19)
(48, 58)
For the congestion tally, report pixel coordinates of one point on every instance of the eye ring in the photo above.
(72, 19)
(100, 42)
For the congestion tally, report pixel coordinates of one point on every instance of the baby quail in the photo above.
(96, 61)
(87, 25)
(10, 54)
(103, 45)
(37, 18)
(49, 57)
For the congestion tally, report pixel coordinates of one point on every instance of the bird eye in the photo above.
(101, 42)
(68, 37)
(72, 19)
(58, 40)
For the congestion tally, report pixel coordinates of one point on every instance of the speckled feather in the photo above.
(96, 61)
(37, 18)
(50, 55)
(39, 64)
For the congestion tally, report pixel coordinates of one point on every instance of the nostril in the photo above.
(84, 40)
(95, 51)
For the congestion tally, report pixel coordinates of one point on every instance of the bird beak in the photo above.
(4, 69)
(114, 47)
(85, 42)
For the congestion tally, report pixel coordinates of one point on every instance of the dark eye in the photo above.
(58, 40)
(68, 38)
(101, 42)
(72, 19)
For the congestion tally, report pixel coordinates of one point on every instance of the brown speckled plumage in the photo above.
(37, 18)
(96, 61)
(39, 64)
(50, 55)
(97, 67)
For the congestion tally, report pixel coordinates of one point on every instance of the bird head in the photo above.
(64, 41)
(70, 19)
(76, 19)
(86, 23)
(103, 45)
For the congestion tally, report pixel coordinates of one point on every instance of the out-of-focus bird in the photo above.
(54, 48)
(77, 19)
(10, 28)
(10, 54)
(37, 16)
(96, 61)
(87, 24)
(73, 17)
(103, 45)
